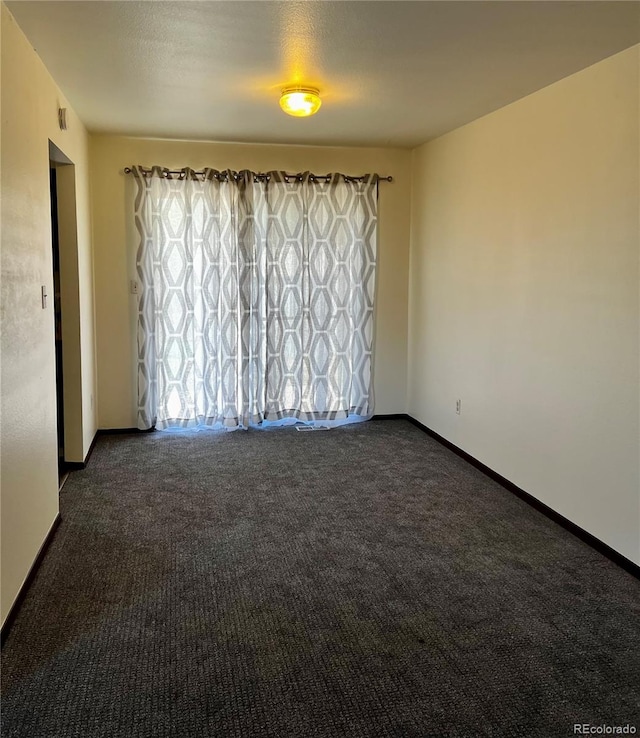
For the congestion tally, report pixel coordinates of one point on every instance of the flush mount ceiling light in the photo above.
(300, 101)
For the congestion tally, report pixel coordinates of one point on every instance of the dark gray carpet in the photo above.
(358, 582)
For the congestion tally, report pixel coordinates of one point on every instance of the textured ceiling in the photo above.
(390, 73)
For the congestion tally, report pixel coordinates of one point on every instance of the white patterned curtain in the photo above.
(256, 297)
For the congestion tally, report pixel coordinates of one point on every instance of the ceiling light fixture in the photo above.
(300, 101)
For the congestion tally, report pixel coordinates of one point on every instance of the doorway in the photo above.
(57, 311)
(66, 308)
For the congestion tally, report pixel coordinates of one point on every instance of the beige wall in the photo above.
(29, 476)
(524, 295)
(114, 267)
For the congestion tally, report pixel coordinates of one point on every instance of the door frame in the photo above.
(69, 304)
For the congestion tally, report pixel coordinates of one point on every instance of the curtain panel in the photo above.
(256, 297)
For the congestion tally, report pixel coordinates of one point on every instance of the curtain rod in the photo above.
(257, 175)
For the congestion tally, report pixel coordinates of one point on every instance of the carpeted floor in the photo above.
(358, 582)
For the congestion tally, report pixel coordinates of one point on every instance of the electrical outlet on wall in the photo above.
(133, 287)
(458, 407)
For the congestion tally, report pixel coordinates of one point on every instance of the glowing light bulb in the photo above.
(300, 101)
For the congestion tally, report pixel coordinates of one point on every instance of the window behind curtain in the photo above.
(256, 300)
